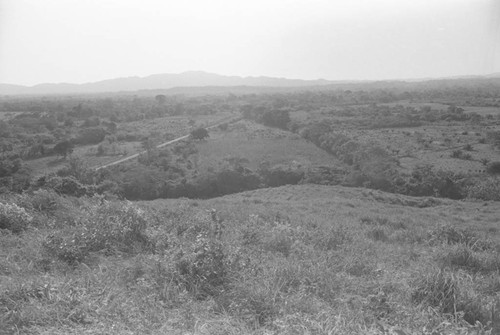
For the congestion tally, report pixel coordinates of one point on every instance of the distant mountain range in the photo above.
(158, 82)
(169, 81)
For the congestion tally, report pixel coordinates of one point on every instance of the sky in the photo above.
(78, 41)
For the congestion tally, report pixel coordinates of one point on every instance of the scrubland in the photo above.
(304, 259)
(360, 210)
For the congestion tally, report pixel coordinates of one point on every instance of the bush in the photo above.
(493, 168)
(276, 118)
(70, 186)
(425, 181)
(63, 148)
(91, 136)
(14, 218)
(202, 270)
(103, 227)
(456, 154)
(485, 189)
(281, 175)
(223, 126)
(44, 200)
(199, 134)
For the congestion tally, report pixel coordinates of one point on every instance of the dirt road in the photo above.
(231, 120)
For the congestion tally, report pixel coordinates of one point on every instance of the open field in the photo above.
(258, 144)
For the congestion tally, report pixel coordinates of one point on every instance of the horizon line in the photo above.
(458, 76)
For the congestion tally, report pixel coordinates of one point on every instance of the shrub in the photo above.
(281, 175)
(44, 200)
(63, 148)
(493, 168)
(276, 118)
(201, 270)
(485, 189)
(494, 137)
(223, 126)
(377, 234)
(107, 226)
(484, 161)
(199, 134)
(466, 157)
(14, 218)
(91, 136)
(425, 181)
(456, 154)
(70, 186)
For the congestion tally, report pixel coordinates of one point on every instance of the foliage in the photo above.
(78, 169)
(14, 218)
(199, 134)
(275, 118)
(281, 175)
(493, 168)
(461, 155)
(202, 268)
(91, 135)
(14, 175)
(69, 186)
(425, 181)
(485, 189)
(42, 200)
(63, 148)
(112, 227)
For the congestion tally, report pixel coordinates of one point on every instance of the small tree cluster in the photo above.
(199, 134)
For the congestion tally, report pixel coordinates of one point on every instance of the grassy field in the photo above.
(303, 259)
(256, 144)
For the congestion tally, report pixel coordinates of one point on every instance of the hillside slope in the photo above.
(287, 260)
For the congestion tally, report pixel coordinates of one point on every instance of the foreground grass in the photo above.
(291, 260)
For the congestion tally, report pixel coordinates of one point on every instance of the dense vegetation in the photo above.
(362, 244)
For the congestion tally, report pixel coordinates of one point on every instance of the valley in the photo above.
(368, 208)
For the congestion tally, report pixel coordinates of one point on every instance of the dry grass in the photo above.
(291, 260)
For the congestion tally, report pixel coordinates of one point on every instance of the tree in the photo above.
(276, 118)
(199, 134)
(63, 148)
(160, 99)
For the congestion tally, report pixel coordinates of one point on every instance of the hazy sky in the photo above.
(89, 40)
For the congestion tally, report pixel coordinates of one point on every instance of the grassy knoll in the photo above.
(302, 259)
